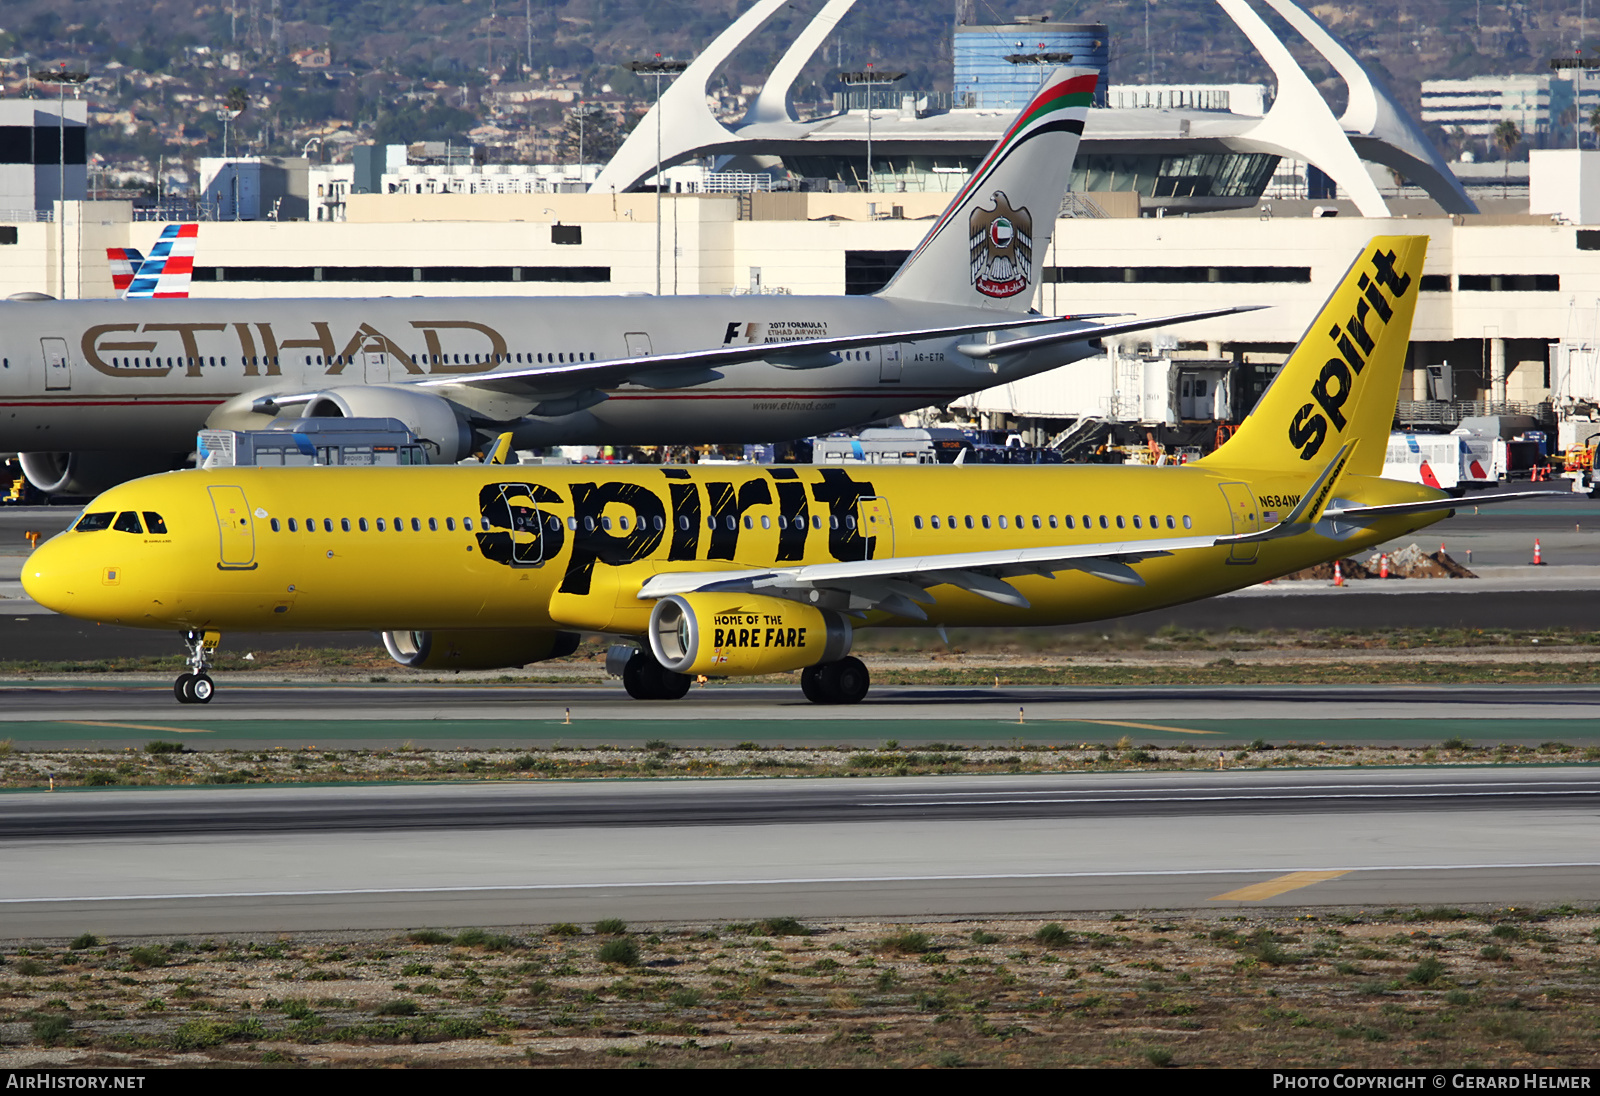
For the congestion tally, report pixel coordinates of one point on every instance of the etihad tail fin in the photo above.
(167, 271)
(988, 247)
(1341, 381)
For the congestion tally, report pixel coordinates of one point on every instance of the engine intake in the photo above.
(89, 473)
(478, 648)
(433, 420)
(737, 635)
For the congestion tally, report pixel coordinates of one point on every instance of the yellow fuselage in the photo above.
(490, 546)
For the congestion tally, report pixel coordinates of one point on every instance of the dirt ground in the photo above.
(1285, 988)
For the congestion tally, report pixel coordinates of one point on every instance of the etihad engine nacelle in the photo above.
(90, 473)
(432, 419)
(741, 634)
(478, 648)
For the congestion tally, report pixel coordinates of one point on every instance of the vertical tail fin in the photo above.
(125, 263)
(167, 271)
(1342, 379)
(988, 245)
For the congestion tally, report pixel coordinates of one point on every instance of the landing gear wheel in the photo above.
(634, 678)
(647, 679)
(180, 688)
(811, 685)
(201, 689)
(842, 682)
(194, 685)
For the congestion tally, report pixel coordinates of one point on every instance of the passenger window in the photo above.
(849, 521)
(622, 523)
(833, 521)
(816, 521)
(466, 523)
(1136, 521)
(749, 522)
(917, 521)
(1122, 522)
(1052, 521)
(381, 529)
(292, 527)
(683, 522)
(153, 523)
(572, 523)
(416, 525)
(127, 522)
(986, 521)
(1069, 521)
(1002, 522)
(93, 523)
(1170, 524)
(344, 523)
(950, 522)
(327, 525)
(1154, 523)
(1187, 524)
(969, 521)
(766, 523)
(433, 525)
(732, 522)
(1103, 522)
(934, 519)
(555, 525)
(399, 525)
(450, 524)
(661, 523)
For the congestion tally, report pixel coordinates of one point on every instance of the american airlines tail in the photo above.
(987, 247)
(1341, 381)
(165, 274)
(125, 263)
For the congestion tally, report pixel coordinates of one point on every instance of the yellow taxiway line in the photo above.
(1274, 887)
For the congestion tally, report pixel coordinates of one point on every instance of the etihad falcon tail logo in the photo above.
(1002, 248)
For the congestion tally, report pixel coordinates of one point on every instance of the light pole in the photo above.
(580, 112)
(658, 68)
(1573, 64)
(869, 80)
(61, 78)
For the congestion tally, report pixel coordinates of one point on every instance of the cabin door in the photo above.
(877, 526)
(889, 363)
(1246, 517)
(638, 343)
(57, 365)
(235, 528)
(375, 366)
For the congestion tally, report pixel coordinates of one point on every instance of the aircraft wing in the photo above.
(1352, 512)
(694, 366)
(1125, 327)
(897, 585)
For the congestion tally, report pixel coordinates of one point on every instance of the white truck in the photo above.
(1450, 462)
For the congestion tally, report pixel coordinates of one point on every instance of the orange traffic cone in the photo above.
(1538, 556)
(1338, 575)
(1383, 565)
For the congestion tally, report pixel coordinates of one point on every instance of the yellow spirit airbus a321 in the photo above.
(731, 571)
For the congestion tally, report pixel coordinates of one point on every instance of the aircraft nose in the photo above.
(54, 576)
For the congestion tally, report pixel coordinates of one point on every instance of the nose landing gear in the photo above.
(195, 686)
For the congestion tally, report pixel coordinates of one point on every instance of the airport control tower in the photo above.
(984, 78)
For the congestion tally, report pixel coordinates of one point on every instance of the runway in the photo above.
(265, 860)
(250, 716)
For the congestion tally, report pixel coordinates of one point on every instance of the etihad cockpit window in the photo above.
(127, 522)
(93, 523)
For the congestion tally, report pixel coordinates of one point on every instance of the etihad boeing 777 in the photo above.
(741, 570)
(95, 392)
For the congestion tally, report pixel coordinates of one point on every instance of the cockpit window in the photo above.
(154, 522)
(91, 523)
(127, 522)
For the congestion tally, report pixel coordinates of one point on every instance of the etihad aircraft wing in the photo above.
(691, 367)
(1124, 327)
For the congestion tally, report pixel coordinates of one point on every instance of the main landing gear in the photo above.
(195, 686)
(842, 682)
(647, 679)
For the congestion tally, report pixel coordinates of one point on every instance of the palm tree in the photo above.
(1507, 136)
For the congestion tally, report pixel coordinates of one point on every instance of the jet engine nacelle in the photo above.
(89, 473)
(741, 634)
(432, 419)
(478, 648)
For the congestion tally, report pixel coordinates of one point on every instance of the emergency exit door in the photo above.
(57, 365)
